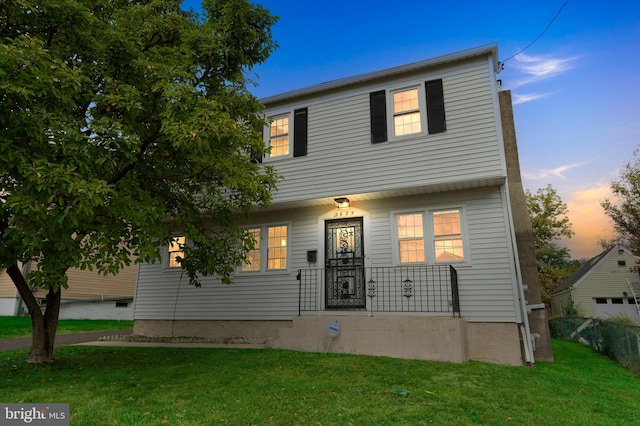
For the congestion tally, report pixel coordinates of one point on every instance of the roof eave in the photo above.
(402, 69)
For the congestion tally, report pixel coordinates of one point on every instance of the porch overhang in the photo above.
(328, 199)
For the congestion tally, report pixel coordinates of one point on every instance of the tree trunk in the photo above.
(43, 326)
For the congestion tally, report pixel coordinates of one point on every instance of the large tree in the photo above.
(122, 122)
(549, 220)
(624, 207)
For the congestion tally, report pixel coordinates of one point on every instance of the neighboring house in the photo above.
(604, 286)
(90, 295)
(393, 221)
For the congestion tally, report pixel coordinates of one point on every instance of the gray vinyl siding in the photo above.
(342, 160)
(486, 280)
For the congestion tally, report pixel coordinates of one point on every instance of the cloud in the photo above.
(548, 173)
(536, 68)
(520, 99)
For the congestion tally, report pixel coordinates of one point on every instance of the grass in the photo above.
(178, 386)
(14, 327)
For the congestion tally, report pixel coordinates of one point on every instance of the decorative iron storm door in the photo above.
(344, 262)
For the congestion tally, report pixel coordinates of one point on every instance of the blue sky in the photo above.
(576, 90)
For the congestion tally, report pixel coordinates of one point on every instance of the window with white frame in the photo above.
(406, 112)
(279, 136)
(270, 254)
(410, 237)
(277, 247)
(445, 236)
(253, 256)
(400, 112)
(175, 251)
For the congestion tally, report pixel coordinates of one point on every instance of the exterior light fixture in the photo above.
(341, 203)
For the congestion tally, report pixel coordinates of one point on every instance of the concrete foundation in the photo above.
(264, 330)
(429, 338)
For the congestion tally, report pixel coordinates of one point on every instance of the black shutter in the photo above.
(435, 107)
(300, 132)
(378, 109)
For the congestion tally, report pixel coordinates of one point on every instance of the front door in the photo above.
(344, 262)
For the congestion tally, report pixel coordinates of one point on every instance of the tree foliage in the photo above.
(121, 123)
(549, 220)
(548, 214)
(624, 207)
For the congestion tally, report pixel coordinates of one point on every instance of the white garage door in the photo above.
(605, 307)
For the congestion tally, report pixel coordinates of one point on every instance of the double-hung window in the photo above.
(287, 134)
(447, 236)
(406, 112)
(410, 237)
(279, 136)
(253, 256)
(430, 237)
(270, 249)
(175, 251)
(396, 113)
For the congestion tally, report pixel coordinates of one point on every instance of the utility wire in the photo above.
(541, 34)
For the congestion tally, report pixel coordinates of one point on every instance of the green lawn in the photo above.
(12, 327)
(177, 386)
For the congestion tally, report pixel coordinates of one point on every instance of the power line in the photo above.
(541, 34)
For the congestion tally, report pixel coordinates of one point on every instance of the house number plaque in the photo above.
(344, 213)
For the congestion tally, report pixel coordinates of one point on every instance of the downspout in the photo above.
(527, 339)
(521, 307)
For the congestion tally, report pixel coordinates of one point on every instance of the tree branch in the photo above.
(123, 172)
(24, 290)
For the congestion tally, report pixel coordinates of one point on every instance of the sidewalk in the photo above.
(62, 339)
(93, 339)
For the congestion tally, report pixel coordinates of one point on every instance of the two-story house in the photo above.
(391, 234)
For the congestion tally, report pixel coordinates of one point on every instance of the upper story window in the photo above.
(287, 135)
(279, 137)
(445, 236)
(270, 250)
(409, 108)
(406, 112)
(176, 251)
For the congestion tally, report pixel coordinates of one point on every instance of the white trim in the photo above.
(337, 214)
(264, 248)
(167, 254)
(422, 109)
(428, 234)
(267, 135)
(520, 305)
